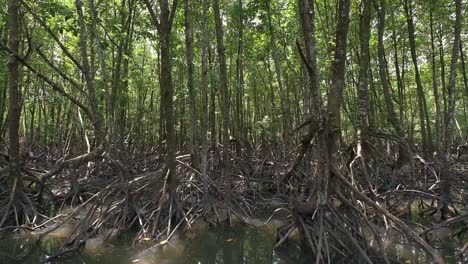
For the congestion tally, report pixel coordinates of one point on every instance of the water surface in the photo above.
(222, 245)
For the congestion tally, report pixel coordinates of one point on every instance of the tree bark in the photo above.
(195, 158)
(239, 113)
(399, 74)
(403, 156)
(164, 27)
(88, 75)
(445, 174)
(204, 94)
(317, 119)
(422, 105)
(442, 73)
(326, 127)
(224, 85)
(465, 84)
(14, 97)
(449, 116)
(363, 100)
(278, 71)
(435, 82)
(335, 95)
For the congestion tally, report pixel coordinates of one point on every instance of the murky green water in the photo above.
(220, 245)
(223, 245)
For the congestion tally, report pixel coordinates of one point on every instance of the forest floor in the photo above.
(131, 194)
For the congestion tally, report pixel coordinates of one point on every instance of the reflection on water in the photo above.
(239, 245)
(223, 245)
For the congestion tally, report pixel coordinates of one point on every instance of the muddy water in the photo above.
(226, 245)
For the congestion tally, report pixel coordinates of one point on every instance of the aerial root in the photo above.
(398, 222)
(18, 212)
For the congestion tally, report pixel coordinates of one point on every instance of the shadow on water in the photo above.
(221, 245)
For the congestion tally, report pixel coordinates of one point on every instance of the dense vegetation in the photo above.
(155, 113)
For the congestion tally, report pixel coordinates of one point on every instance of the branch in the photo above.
(173, 11)
(54, 85)
(304, 59)
(57, 40)
(74, 162)
(111, 39)
(60, 72)
(450, 221)
(154, 17)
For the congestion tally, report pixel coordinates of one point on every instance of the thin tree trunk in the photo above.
(306, 96)
(465, 83)
(88, 75)
(399, 75)
(363, 97)
(14, 107)
(335, 95)
(239, 113)
(442, 71)
(278, 73)
(3, 106)
(190, 84)
(445, 175)
(423, 115)
(212, 109)
(167, 91)
(327, 137)
(224, 83)
(271, 95)
(316, 119)
(403, 156)
(449, 116)
(204, 94)
(307, 13)
(116, 81)
(435, 83)
(164, 27)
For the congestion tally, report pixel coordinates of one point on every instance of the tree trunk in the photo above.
(212, 108)
(449, 115)
(14, 108)
(399, 75)
(435, 83)
(364, 36)
(204, 94)
(423, 111)
(88, 75)
(445, 174)
(335, 95)
(403, 156)
(239, 113)
(167, 91)
(224, 83)
(442, 73)
(164, 27)
(328, 134)
(190, 84)
(317, 118)
(278, 73)
(465, 84)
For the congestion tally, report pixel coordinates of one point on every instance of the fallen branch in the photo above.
(74, 162)
(446, 223)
